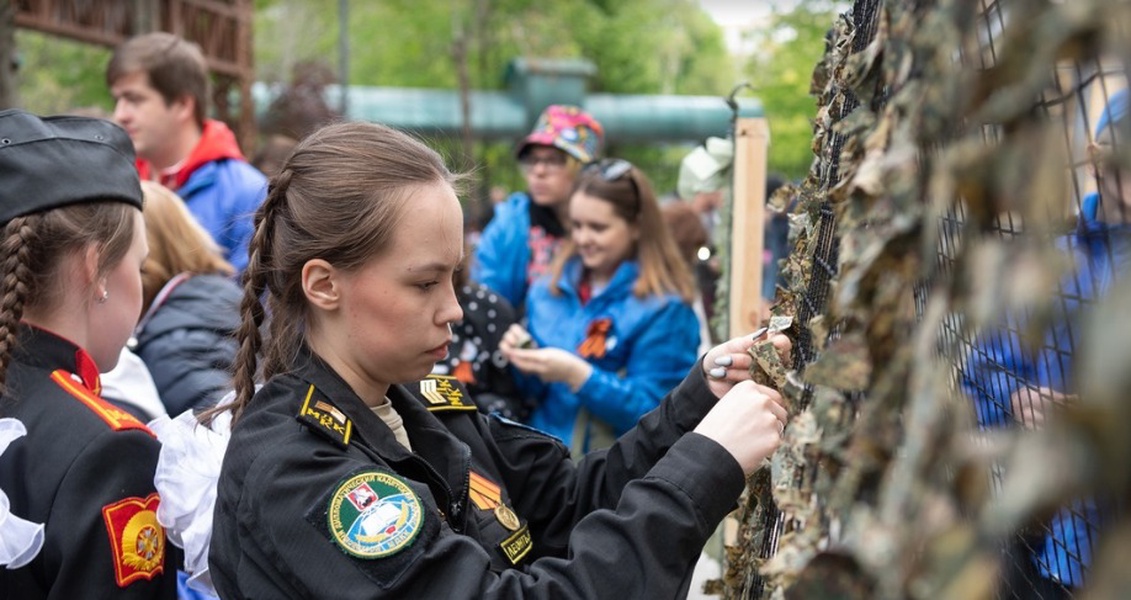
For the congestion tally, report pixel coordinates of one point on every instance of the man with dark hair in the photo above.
(161, 88)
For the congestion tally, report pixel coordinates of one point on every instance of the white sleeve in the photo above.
(20, 540)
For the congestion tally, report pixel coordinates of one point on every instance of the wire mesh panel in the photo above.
(962, 335)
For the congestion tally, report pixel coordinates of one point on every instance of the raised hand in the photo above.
(729, 362)
(748, 422)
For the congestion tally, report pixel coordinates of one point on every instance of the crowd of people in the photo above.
(295, 378)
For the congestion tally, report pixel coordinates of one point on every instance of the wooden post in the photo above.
(747, 217)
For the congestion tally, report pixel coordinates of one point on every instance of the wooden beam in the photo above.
(752, 137)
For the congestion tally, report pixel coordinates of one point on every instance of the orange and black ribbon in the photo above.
(464, 373)
(594, 344)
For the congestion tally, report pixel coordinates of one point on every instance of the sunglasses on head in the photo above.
(615, 169)
(611, 169)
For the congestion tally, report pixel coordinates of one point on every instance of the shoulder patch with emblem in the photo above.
(442, 393)
(374, 514)
(137, 540)
(325, 418)
(116, 418)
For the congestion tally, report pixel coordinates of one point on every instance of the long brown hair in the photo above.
(338, 197)
(177, 242)
(32, 250)
(662, 269)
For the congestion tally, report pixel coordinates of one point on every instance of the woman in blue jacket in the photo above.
(612, 323)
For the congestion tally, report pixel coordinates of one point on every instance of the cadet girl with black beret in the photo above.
(71, 250)
(354, 473)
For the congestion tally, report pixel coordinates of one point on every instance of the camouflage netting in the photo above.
(962, 328)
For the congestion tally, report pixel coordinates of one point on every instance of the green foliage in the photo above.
(58, 75)
(638, 47)
(780, 74)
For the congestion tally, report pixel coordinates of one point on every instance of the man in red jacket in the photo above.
(160, 87)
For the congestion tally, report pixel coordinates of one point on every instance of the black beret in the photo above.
(48, 162)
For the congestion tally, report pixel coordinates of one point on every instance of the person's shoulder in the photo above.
(213, 288)
(442, 394)
(239, 174)
(80, 409)
(55, 406)
(516, 203)
(539, 290)
(671, 304)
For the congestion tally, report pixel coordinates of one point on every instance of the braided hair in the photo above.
(338, 197)
(33, 247)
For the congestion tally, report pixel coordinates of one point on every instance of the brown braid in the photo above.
(15, 274)
(251, 308)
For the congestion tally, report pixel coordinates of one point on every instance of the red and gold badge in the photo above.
(136, 538)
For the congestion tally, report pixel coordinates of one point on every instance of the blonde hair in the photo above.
(178, 243)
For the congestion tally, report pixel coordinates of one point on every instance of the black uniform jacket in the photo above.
(85, 470)
(316, 499)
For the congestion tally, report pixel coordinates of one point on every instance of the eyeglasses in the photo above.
(551, 161)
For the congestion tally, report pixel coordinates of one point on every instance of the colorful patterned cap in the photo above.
(48, 162)
(569, 129)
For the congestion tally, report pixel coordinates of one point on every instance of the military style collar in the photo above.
(43, 349)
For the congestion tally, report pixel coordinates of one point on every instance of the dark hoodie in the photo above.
(189, 343)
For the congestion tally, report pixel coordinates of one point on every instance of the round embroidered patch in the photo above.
(374, 514)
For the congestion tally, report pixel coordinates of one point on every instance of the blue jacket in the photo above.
(503, 256)
(999, 366)
(649, 347)
(223, 195)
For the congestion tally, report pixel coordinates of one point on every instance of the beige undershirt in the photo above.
(386, 413)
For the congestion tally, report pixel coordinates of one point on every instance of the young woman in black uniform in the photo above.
(354, 473)
(71, 251)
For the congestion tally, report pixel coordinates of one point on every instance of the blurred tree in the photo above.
(9, 94)
(58, 75)
(638, 46)
(780, 73)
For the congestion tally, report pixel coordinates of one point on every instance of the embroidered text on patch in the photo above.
(374, 514)
(136, 538)
(517, 545)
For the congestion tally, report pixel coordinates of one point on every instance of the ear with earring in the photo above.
(104, 296)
